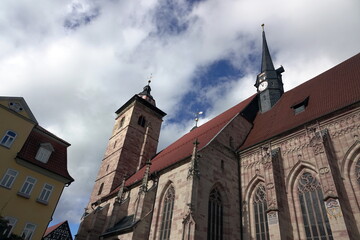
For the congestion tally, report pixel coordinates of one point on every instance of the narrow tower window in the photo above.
(101, 188)
(315, 218)
(215, 216)
(167, 213)
(122, 122)
(357, 171)
(260, 207)
(141, 121)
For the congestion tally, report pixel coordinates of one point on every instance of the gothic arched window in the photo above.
(357, 170)
(260, 207)
(141, 121)
(215, 216)
(315, 218)
(167, 212)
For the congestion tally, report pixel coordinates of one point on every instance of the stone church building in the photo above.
(279, 165)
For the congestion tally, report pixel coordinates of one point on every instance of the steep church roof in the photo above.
(330, 91)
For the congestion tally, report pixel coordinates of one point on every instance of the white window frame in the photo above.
(8, 179)
(45, 193)
(11, 222)
(27, 187)
(8, 139)
(44, 152)
(28, 231)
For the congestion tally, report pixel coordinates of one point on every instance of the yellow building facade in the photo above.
(33, 170)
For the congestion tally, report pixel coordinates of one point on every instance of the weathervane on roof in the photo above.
(197, 117)
(150, 78)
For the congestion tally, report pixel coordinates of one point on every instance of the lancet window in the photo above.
(260, 207)
(215, 216)
(167, 212)
(316, 222)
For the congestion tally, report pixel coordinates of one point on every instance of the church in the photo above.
(278, 165)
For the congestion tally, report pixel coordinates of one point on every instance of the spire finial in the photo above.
(150, 78)
(197, 117)
(263, 27)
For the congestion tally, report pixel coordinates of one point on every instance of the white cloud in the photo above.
(73, 79)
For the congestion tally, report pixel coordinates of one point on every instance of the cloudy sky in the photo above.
(76, 62)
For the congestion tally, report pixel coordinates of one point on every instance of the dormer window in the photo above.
(300, 107)
(44, 152)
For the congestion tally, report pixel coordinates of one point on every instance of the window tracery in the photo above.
(167, 212)
(215, 216)
(260, 208)
(316, 222)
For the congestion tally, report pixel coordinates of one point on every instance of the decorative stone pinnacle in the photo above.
(119, 197)
(193, 169)
(144, 185)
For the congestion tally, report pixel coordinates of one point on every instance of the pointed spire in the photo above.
(266, 62)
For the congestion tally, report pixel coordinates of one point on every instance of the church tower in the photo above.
(268, 83)
(133, 141)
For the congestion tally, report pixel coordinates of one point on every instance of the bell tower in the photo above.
(269, 82)
(133, 141)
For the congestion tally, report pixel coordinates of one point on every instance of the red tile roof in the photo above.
(52, 228)
(332, 90)
(57, 162)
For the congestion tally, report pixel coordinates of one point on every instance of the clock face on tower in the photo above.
(262, 86)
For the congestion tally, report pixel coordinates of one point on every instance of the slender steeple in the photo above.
(266, 62)
(268, 82)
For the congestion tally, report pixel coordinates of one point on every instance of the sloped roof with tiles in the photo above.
(58, 231)
(330, 91)
(57, 162)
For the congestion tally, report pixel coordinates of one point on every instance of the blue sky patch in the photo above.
(210, 76)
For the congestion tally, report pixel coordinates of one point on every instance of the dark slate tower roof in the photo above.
(269, 81)
(145, 94)
(266, 62)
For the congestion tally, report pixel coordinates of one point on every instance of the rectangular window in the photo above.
(45, 193)
(9, 178)
(28, 231)
(11, 224)
(27, 187)
(8, 139)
